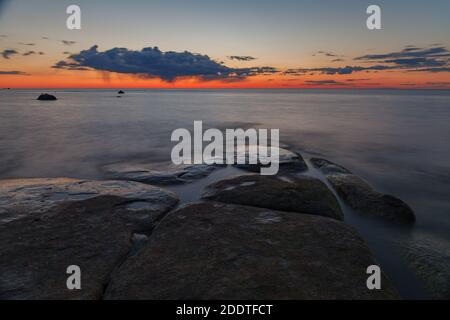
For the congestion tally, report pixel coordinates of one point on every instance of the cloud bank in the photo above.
(153, 62)
(410, 59)
(433, 59)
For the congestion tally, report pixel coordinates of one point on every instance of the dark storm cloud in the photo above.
(68, 42)
(242, 58)
(152, 62)
(19, 73)
(8, 53)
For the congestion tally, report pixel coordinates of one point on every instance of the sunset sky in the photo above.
(224, 44)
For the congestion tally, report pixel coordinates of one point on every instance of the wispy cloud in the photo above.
(325, 83)
(242, 58)
(439, 84)
(18, 73)
(338, 70)
(68, 42)
(410, 59)
(432, 59)
(7, 53)
(327, 54)
(29, 53)
(440, 69)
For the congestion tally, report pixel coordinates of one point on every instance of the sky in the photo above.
(225, 44)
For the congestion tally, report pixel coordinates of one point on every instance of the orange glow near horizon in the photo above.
(104, 80)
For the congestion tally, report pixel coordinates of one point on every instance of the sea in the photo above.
(396, 140)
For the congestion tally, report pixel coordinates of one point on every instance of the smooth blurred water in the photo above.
(396, 140)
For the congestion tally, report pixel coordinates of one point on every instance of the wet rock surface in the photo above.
(255, 237)
(429, 257)
(360, 196)
(48, 225)
(297, 193)
(288, 161)
(36, 251)
(140, 204)
(224, 251)
(158, 173)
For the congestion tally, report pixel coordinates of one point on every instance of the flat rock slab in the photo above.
(36, 251)
(224, 251)
(50, 224)
(298, 193)
(429, 257)
(361, 197)
(158, 173)
(140, 204)
(288, 161)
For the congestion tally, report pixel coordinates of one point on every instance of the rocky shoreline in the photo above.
(250, 236)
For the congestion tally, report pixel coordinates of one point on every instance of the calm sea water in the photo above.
(396, 140)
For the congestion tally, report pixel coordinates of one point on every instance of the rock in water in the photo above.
(120, 92)
(360, 196)
(52, 224)
(140, 205)
(298, 193)
(158, 173)
(288, 161)
(429, 256)
(46, 97)
(222, 251)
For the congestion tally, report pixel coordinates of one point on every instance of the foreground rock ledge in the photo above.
(360, 196)
(140, 204)
(220, 251)
(158, 173)
(297, 193)
(50, 224)
(288, 161)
